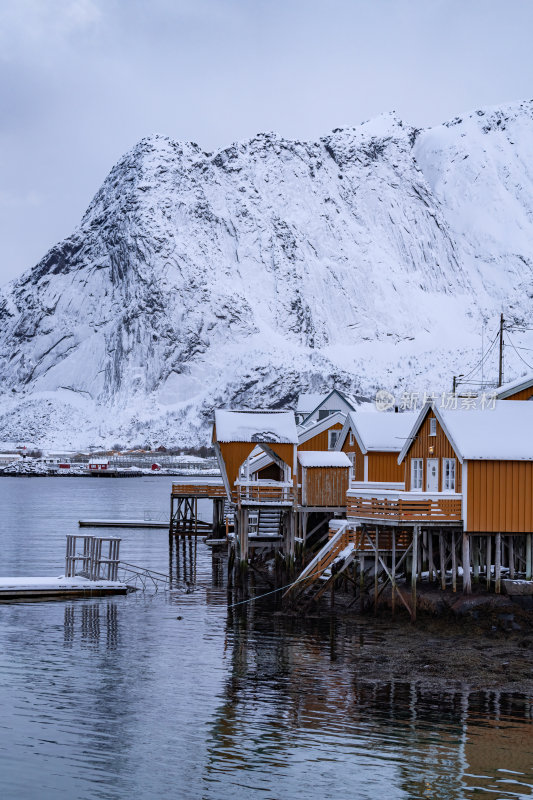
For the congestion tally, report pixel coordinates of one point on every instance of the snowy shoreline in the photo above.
(123, 474)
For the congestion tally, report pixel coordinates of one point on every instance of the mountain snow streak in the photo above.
(369, 258)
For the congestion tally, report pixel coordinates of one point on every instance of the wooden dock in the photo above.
(209, 488)
(122, 523)
(184, 498)
(50, 588)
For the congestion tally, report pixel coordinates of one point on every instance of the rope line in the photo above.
(280, 589)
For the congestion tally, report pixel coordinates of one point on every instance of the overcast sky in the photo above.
(82, 80)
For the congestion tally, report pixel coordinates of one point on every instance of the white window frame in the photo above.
(449, 474)
(417, 474)
(432, 426)
(352, 440)
(336, 434)
(351, 457)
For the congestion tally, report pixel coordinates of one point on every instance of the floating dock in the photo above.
(47, 588)
(122, 523)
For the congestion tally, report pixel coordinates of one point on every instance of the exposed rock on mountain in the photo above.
(369, 258)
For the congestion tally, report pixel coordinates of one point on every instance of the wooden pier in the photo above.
(184, 520)
(122, 523)
(51, 588)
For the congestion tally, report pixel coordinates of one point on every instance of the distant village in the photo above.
(28, 460)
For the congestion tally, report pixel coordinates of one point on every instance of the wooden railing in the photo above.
(403, 509)
(263, 492)
(382, 540)
(200, 489)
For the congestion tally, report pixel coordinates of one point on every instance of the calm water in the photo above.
(120, 698)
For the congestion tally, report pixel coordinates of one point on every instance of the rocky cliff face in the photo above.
(366, 259)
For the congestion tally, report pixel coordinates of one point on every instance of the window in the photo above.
(351, 456)
(417, 468)
(448, 475)
(332, 441)
(432, 426)
(352, 440)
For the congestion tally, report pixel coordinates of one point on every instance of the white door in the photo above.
(432, 475)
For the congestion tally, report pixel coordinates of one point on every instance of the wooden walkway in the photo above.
(122, 523)
(56, 588)
(199, 488)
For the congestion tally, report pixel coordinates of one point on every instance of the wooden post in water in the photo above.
(467, 586)
(498, 563)
(393, 572)
(244, 534)
(528, 557)
(376, 564)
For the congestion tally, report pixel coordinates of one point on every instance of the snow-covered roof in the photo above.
(259, 459)
(502, 433)
(323, 458)
(99, 461)
(256, 426)
(378, 430)
(508, 389)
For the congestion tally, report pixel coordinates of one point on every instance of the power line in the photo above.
(517, 353)
(477, 366)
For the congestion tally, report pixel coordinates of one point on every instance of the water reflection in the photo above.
(293, 698)
(182, 560)
(94, 624)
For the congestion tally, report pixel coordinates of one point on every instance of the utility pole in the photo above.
(500, 366)
(456, 382)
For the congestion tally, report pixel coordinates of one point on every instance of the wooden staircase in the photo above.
(339, 553)
(330, 561)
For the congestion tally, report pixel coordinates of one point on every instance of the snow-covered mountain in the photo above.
(367, 259)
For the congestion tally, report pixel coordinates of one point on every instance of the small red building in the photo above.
(98, 464)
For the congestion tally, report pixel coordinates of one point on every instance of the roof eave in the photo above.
(416, 427)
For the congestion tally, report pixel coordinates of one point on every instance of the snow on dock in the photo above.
(122, 523)
(52, 588)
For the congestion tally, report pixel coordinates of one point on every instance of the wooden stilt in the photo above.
(454, 564)
(376, 564)
(442, 558)
(488, 559)
(467, 586)
(393, 572)
(431, 565)
(510, 551)
(475, 557)
(498, 563)
(414, 571)
(528, 557)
